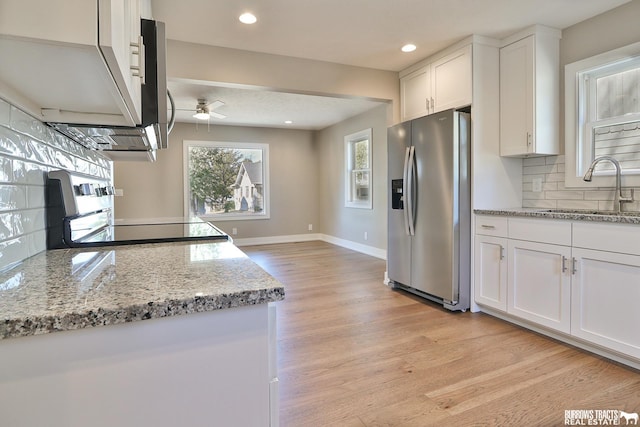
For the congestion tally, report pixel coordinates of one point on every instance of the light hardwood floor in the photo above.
(353, 352)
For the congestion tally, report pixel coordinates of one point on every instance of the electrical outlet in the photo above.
(366, 235)
(310, 227)
(537, 185)
(234, 231)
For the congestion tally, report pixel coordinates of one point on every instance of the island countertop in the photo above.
(67, 289)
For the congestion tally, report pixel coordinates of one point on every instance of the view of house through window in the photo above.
(225, 180)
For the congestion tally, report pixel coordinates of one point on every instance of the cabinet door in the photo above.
(415, 94)
(539, 283)
(117, 33)
(451, 80)
(605, 294)
(490, 272)
(517, 98)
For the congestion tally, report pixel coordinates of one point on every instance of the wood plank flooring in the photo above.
(353, 352)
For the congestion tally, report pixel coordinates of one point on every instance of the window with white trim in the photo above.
(358, 178)
(602, 115)
(226, 180)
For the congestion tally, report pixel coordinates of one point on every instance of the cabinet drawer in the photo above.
(622, 238)
(491, 226)
(542, 230)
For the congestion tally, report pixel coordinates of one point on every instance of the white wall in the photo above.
(28, 150)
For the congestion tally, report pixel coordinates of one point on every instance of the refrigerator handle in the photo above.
(405, 191)
(410, 195)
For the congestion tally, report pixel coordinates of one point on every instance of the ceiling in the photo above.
(365, 33)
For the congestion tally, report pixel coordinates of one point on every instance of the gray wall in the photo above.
(232, 67)
(350, 223)
(610, 30)
(157, 189)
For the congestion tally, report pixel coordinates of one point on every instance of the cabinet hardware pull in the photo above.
(138, 50)
(564, 263)
(529, 139)
(574, 265)
(488, 227)
(501, 252)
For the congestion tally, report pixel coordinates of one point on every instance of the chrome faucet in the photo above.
(618, 199)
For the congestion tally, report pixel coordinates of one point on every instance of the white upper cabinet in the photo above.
(451, 80)
(529, 93)
(415, 94)
(73, 61)
(438, 85)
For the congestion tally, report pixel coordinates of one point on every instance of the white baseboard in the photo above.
(293, 238)
(358, 247)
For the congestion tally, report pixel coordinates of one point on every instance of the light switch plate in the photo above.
(537, 185)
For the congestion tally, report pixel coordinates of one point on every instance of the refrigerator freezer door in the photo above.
(399, 240)
(436, 152)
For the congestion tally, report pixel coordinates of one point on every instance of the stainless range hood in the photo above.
(142, 141)
(119, 143)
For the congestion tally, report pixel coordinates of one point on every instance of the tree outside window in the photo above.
(358, 170)
(226, 180)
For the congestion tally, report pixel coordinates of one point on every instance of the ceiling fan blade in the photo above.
(217, 115)
(215, 104)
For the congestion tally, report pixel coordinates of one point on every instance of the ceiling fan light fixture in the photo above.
(202, 113)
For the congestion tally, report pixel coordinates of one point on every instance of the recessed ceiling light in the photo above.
(248, 18)
(288, 122)
(408, 47)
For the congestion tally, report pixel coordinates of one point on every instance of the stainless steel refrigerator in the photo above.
(429, 216)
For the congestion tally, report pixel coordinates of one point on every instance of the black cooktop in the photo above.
(154, 232)
(80, 214)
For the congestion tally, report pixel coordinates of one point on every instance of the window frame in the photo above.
(580, 117)
(350, 201)
(265, 214)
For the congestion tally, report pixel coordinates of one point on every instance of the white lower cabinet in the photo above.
(605, 295)
(539, 283)
(491, 271)
(578, 278)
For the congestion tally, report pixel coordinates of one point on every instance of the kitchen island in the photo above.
(158, 334)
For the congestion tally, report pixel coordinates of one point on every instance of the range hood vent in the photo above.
(140, 142)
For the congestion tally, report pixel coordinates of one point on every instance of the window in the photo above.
(603, 116)
(226, 180)
(358, 170)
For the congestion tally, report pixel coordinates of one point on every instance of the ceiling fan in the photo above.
(204, 110)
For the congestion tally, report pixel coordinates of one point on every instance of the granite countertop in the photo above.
(574, 215)
(66, 289)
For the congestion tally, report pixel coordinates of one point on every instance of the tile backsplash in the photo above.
(555, 195)
(28, 150)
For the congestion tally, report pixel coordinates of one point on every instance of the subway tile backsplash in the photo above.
(28, 150)
(554, 195)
